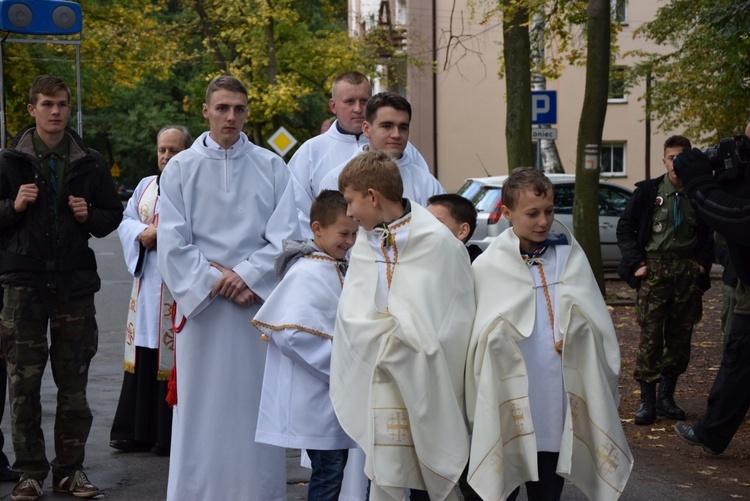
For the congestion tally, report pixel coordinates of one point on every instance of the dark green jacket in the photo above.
(39, 247)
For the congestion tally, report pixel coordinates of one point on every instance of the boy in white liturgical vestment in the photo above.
(297, 320)
(543, 364)
(401, 336)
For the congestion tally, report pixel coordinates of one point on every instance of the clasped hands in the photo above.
(231, 286)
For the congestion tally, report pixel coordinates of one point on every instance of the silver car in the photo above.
(486, 194)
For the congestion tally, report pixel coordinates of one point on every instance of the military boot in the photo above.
(665, 405)
(647, 410)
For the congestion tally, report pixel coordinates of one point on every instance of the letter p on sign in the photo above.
(543, 107)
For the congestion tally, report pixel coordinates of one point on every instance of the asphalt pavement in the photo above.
(142, 476)
(138, 476)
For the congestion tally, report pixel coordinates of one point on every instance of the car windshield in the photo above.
(486, 199)
(469, 189)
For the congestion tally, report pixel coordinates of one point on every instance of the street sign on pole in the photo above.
(544, 133)
(543, 107)
(282, 141)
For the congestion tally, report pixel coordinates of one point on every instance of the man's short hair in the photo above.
(350, 77)
(226, 82)
(374, 170)
(49, 85)
(677, 142)
(185, 133)
(523, 179)
(461, 209)
(383, 99)
(327, 207)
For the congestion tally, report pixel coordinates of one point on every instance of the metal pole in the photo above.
(78, 85)
(2, 98)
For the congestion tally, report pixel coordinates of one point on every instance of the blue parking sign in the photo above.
(543, 107)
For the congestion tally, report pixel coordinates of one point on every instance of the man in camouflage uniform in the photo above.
(55, 193)
(667, 252)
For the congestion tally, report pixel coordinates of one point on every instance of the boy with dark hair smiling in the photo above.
(401, 335)
(297, 320)
(543, 364)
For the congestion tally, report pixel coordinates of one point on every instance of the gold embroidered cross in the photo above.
(398, 426)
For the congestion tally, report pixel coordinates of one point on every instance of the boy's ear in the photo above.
(374, 197)
(463, 231)
(315, 227)
(507, 213)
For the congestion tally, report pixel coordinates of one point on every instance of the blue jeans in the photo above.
(327, 474)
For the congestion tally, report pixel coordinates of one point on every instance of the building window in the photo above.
(612, 161)
(617, 85)
(619, 11)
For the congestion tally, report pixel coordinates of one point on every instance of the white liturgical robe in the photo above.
(317, 157)
(594, 453)
(232, 207)
(397, 375)
(419, 184)
(298, 320)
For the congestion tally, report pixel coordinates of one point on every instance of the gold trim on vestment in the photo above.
(264, 336)
(335, 262)
(597, 455)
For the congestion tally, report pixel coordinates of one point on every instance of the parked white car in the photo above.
(486, 194)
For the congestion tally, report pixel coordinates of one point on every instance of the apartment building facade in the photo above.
(458, 121)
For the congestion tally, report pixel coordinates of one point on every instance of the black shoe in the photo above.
(9, 475)
(125, 445)
(646, 413)
(687, 435)
(665, 404)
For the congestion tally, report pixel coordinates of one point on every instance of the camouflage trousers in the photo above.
(669, 304)
(72, 344)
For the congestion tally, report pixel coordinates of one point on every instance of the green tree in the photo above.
(701, 85)
(121, 43)
(285, 51)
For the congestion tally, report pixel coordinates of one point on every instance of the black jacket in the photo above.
(634, 229)
(724, 203)
(40, 248)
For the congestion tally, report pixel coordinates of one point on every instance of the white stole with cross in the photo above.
(594, 453)
(146, 208)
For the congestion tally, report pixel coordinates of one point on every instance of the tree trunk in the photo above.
(208, 33)
(517, 55)
(590, 127)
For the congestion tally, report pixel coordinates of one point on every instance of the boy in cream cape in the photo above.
(544, 354)
(401, 335)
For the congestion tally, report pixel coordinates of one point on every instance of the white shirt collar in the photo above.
(211, 144)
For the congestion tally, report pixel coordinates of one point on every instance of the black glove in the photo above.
(691, 165)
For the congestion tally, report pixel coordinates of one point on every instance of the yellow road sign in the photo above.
(282, 141)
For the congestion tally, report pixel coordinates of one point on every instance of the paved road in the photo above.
(143, 476)
(122, 477)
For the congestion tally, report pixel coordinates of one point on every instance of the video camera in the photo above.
(730, 156)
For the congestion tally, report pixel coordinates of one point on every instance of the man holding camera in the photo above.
(721, 195)
(667, 252)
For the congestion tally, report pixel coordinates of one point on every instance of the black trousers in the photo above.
(729, 399)
(550, 484)
(142, 414)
